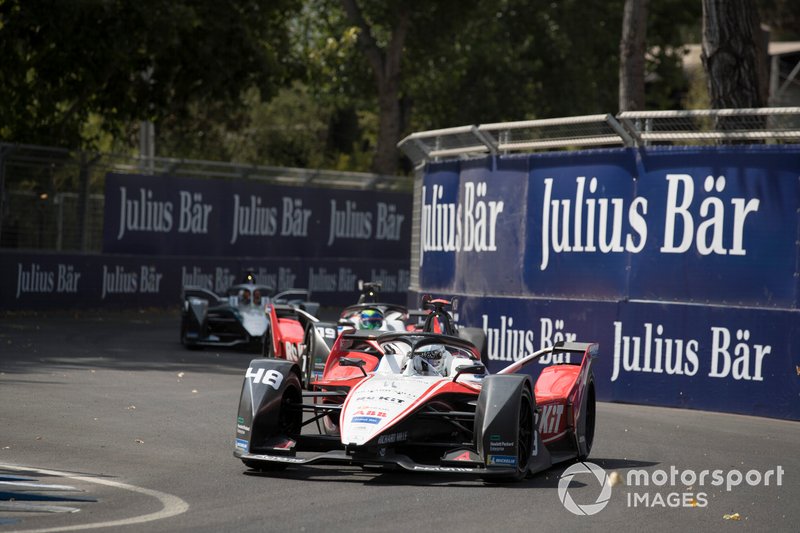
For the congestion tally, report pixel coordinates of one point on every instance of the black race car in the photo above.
(249, 315)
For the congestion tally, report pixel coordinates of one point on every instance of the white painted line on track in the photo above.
(22, 486)
(172, 505)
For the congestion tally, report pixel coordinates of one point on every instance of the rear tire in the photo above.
(589, 421)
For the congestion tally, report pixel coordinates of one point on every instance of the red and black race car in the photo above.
(370, 313)
(419, 401)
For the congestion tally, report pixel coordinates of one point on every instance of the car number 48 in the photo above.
(273, 378)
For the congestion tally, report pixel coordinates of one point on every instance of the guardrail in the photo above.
(630, 128)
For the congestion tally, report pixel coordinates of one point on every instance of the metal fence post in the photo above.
(3, 151)
(83, 200)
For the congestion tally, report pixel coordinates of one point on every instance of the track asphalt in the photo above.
(108, 424)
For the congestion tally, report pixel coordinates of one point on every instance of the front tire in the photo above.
(289, 423)
(184, 339)
(525, 436)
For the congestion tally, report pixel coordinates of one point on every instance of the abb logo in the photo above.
(370, 412)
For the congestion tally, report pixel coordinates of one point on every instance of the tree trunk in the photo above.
(631, 55)
(734, 54)
(385, 67)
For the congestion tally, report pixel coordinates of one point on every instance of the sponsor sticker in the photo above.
(241, 443)
(425, 468)
(365, 420)
(278, 458)
(505, 460)
(391, 438)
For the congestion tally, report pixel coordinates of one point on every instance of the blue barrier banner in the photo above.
(582, 223)
(698, 225)
(682, 262)
(470, 224)
(439, 225)
(158, 215)
(493, 200)
(722, 225)
(723, 359)
(31, 280)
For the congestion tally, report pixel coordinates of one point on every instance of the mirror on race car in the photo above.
(353, 361)
(469, 369)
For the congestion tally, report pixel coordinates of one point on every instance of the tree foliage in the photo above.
(782, 17)
(671, 24)
(516, 59)
(322, 83)
(127, 61)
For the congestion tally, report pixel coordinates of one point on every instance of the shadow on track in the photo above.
(349, 474)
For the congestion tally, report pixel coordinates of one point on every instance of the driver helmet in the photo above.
(371, 319)
(431, 357)
(246, 297)
(256, 297)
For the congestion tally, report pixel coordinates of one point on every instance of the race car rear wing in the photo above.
(585, 348)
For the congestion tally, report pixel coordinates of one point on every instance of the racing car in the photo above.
(419, 401)
(250, 315)
(371, 314)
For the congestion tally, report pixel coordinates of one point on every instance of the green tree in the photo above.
(782, 17)
(128, 61)
(671, 24)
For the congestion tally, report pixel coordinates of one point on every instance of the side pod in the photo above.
(270, 385)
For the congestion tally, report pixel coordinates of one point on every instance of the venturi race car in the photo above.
(250, 315)
(419, 401)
